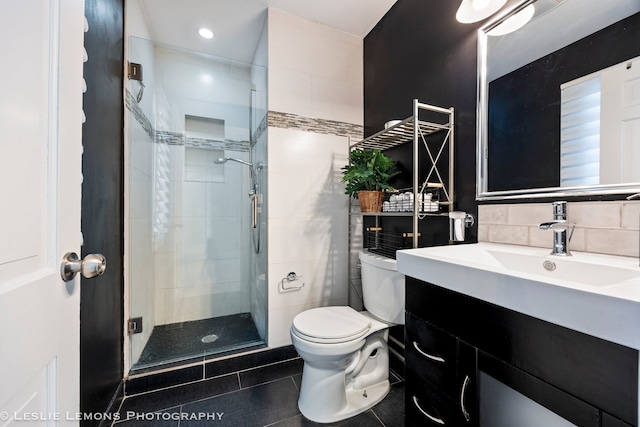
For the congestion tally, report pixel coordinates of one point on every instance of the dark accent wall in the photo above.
(101, 298)
(527, 164)
(419, 50)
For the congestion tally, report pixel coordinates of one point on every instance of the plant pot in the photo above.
(371, 201)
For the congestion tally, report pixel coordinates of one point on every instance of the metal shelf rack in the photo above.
(415, 130)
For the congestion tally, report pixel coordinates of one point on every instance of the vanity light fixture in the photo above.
(205, 33)
(477, 10)
(514, 22)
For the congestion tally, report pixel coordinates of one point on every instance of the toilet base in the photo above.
(357, 403)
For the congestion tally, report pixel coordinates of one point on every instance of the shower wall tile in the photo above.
(315, 104)
(166, 270)
(223, 203)
(193, 239)
(308, 225)
(193, 204)
(140, 149)
(141, 273)
(141, 191)
(314, 71)
(334, 99)
(294, 90)
(292, 199)
(204, 244)
(320, 284)
(198, 302)
(287, 239)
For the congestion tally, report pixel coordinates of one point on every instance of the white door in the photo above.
(620, 123)
(40, 181)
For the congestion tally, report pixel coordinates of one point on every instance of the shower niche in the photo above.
(194, 232)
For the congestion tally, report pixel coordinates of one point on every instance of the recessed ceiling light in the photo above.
(205, 32)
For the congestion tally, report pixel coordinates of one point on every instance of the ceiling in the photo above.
(237, 24)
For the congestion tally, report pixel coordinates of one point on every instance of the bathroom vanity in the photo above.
(495, 338)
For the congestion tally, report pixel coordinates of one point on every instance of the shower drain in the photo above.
(209, 338)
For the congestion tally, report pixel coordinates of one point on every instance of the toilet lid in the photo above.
(331, 324)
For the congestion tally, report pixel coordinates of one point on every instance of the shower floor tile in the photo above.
(181, 341)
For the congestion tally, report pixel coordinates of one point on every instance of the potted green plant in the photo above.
(367, 175)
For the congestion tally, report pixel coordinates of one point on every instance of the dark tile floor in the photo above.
(264, 396)
(184, 340)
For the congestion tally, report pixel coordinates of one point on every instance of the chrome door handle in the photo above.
(427, 355)
(91, 266)
(463, 391)
(426, 414)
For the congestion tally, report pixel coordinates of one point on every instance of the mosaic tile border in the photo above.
(133, 106)
(177, 138)
(272, 118)
(262, 128)
(307, 124)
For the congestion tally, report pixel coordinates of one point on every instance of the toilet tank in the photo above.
(382, 287)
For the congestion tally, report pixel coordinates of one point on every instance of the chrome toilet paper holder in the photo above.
(285, 283)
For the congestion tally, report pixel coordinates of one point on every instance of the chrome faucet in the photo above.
(559, 226)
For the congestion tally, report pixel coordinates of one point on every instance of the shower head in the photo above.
(222, 160)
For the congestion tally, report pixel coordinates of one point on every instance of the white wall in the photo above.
(314, 72)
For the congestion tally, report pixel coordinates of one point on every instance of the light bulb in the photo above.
(477, 10)
(205, 33)
(479, 4)
(514, 22)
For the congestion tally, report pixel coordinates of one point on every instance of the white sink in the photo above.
(592, 293)
(581, 269)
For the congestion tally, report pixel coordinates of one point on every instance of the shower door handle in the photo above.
(91, 266)
(254, 210)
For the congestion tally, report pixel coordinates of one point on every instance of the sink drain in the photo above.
(209, 338)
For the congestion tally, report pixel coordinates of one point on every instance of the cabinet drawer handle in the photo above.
(427, 355)
(431, 417)
(465, 383)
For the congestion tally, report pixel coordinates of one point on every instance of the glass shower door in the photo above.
(194, 168)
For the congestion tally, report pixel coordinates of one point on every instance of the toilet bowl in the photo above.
(345, 353)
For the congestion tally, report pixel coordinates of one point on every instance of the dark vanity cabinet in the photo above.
(472, 363)
(440, 375)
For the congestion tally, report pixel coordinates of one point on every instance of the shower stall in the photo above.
(195, 205)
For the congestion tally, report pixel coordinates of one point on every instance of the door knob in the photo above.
(91, 266)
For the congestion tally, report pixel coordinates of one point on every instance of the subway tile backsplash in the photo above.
(601, 227)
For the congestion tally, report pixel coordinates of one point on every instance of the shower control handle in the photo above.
(91, 266)
(254, 209)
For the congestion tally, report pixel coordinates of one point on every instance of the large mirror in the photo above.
(559, 101)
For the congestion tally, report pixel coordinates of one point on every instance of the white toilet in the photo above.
(345, 353)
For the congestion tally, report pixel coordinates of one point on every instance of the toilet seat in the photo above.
(331, 325)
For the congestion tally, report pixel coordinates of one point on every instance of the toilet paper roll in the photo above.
(457, 226)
